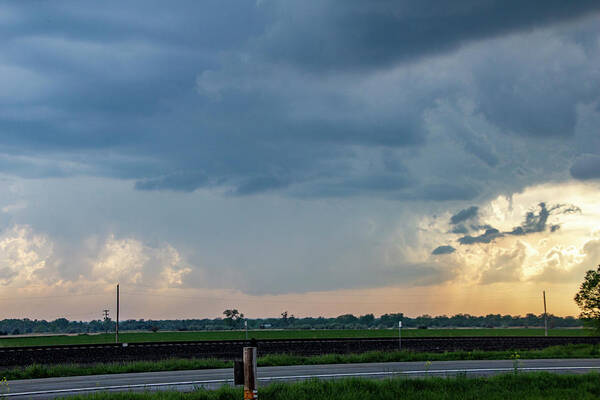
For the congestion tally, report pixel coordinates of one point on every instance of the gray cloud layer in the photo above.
(586, 167)
(339, 35)
(310, 99)
(227, 117)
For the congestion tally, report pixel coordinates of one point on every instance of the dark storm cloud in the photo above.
(443, 250)
(216, 94)
(447, 191)
(464, 215)
(462, 229)
(567, 209)
(488, 236)
(482, 151)
(535, 223)
(532, 223)
(517, 112)
(586, 167)
(336, 34)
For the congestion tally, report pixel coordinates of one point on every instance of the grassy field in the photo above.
(47, 371)
(133, 337)
(536, 386)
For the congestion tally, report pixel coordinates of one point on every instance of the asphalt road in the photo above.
(49, 388)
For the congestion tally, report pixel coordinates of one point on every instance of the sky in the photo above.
(320, 158)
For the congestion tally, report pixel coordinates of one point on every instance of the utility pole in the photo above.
(117, 330)
(105, 312)
(545, 316)
(246, 326)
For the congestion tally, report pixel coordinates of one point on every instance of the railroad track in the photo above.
(232, 349)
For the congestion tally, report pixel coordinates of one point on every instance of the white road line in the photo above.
(434, 371)
(292, 377)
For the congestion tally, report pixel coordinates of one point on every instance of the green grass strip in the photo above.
(529, 386)
(47, 371)
(566, 351)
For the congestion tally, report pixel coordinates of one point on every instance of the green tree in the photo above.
(588, 298)
(367, 319)
(233, 317)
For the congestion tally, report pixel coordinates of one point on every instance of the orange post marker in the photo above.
(250, 374)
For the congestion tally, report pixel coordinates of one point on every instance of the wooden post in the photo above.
(545, 316)
(250, 374)
(117, 330)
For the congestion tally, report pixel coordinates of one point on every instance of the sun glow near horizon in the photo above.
(505, 275)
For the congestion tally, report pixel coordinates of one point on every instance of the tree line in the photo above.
(235, 320)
